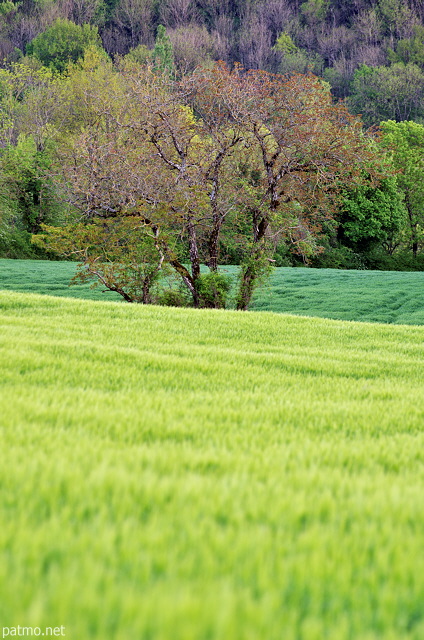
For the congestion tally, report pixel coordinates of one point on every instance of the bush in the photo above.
(376, 258)
(338, 258)
(282, 256)
(172, 298)
(213, 289)
(399, 261)
(17, 244)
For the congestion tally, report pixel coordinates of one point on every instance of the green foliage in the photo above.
(371, 215)
(394, 16)
(255, 269)
(338, 257)
(16, 243)
(163, 54)
(169, 474)
(381, 93)
(327, 37)
(285, 44)
(63, 42)
(233, 237)
(314, 11)
(176, 297)
(110, 7)
(140, 55)
(401, 260)
(6, 7)
(340, 81)
(27, 198)
(213, 289)
(118, 253)
(410, 49)
(301, 61)
(294, 59)
(124, 138)
(405, 141)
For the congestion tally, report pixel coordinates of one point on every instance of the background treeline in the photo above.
(371, 52)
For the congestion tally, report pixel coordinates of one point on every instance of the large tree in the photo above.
(143, 152)
(189, 158)
(371, 216)
(62, 43)
(300, 149)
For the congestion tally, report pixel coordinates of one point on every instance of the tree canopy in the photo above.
(221, 148)
(62, 43)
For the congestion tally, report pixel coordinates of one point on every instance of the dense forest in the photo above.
(371, 52)
(125, 144)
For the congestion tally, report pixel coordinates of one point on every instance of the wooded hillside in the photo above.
(371, 51)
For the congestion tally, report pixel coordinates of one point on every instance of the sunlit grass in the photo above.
(171, 474)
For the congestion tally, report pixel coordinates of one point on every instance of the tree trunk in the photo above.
(414, 226)
(415, 248)
(185, 275)
(213, 245)
(247, 287)
(146, 291)
(187, 279)
(254, 267)
(194, 251)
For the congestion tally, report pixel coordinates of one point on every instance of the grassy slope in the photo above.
(372, 296)
(47, 277)
(367, 296)
(170, 474)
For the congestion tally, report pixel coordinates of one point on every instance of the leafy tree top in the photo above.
(62, 43)
(163, 53)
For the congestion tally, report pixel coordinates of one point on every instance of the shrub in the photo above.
(213, 289)
(338, 258)
(399, 261)
(172, 298)
(16, 244)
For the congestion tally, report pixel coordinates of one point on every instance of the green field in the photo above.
(173, 474)
(370, 296)
(366, 296)
(49, 278)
